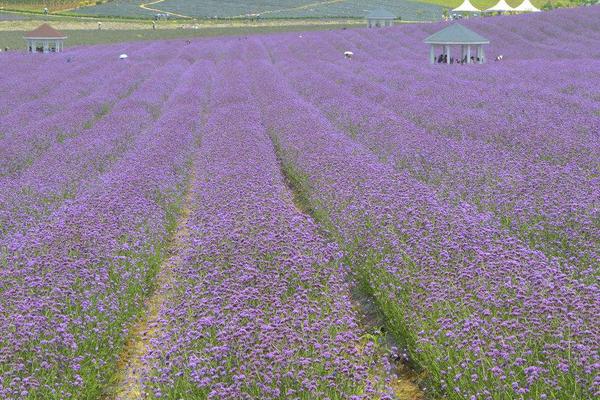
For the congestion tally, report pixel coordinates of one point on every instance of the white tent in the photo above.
(526, 6)
(501, 6)
(466, 6)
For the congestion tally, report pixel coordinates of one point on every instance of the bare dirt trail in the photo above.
(145, 7)
(149, 326)
(297, 8)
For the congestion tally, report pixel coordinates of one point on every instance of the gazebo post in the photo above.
(458, 35)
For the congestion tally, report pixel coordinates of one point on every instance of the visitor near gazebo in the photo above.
(380, 18)
(45, 39)
(457, 35)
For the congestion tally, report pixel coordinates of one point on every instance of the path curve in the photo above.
(305, 6)
(144, 6)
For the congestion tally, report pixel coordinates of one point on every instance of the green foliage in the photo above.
(547, 6)
(14, 39)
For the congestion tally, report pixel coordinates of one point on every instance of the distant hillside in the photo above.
(408, 10)
(405, 9)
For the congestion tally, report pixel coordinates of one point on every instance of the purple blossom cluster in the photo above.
(464, 295)
(465, 199)
(482, 310)
(528, 153)
(50, 160)
(73, 279)
(260, 307)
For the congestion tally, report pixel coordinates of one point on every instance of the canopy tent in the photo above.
(466, 6)
(526, 6)
(457, 34)
(501, 6)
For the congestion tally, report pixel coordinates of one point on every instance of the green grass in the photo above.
(14, 39)
(408, 10)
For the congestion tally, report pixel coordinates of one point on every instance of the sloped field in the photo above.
(463, 201)
(406, 9)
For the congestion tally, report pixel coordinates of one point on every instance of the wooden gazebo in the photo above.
(457, 35)
(45, 39)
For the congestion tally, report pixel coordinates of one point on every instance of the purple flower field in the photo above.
(463, 201)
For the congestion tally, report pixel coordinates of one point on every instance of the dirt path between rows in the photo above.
(149, 326)
(297, 8)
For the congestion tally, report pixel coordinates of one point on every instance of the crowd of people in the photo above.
(443, 59)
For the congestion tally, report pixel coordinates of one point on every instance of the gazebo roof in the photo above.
(526, 6)
(380, 13)
(45, 31)
(501, 6)
(466, 6)
(456, 34)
